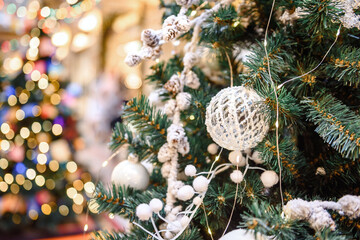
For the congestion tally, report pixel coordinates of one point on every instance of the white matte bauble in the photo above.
(213, 148)
(242, 234)
(236, 176)
(237, 158)
(236, 118)
(130, 174)
(143, 212)
(190, 170)
(156, 205)
(200, 184)
(184, 221)
(185, 193)
(269, 178)
(197, 201)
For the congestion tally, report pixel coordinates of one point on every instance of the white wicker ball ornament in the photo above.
(236, 118)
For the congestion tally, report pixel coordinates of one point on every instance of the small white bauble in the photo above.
(168, 235)
(184, 221)
(197, 201)
(143, 212)
(257, 158)
(185, 193)
(190, 170)
(236, 118)
(237, 159)
(213, 148)
(156, 205)
(130, 174)
(200, 184)
(236, 176)
(269, 178)
(242, 234)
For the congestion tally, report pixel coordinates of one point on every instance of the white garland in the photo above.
(315, 211)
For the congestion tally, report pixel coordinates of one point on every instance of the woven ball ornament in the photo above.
(235, 118)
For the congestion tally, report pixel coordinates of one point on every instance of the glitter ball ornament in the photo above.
(235, 118)
(130, 173)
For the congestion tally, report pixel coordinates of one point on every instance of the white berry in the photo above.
(236, 176)
(236, 158)
(190, 170)
(197, 201)
(156, 205)
(143, 212)
(213, 148)
(201, 184)
(256, 158)
(184, 221)
(269, 178)
(185, 193)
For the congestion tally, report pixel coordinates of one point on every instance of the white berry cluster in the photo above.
(315, 212)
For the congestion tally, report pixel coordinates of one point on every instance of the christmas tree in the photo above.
(42, 187)
(259, 135)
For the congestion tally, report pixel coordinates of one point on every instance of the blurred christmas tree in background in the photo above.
(42, 187)
(254, 126)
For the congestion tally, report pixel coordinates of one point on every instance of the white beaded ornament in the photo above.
(235, 118)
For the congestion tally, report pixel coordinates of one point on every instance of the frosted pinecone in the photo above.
(166, 153)
(173, 85)
(169, 108)
(169, 21)
(132, 60)
(192, 80)
(169, 33)
(182, 24)
(183, 100)
(350, 206)
(190, 59)
(150, 38)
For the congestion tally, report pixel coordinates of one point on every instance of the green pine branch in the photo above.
(344, 65)
(336, 124)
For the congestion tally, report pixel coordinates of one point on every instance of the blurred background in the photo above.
(63, 82)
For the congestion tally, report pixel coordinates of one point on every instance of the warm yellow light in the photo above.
(46, 209)
(89, 22)
(40, 168)
(71, 167)
(24, 132)
(9, 178)
(19, 140)
(20, 179)
(78, 199)
(30, 85)
(34, 42)
(14, 188)
(4, 163)
(32, 53)
(44, 147)
(57, 129)
(10, 134)
(77, 208)
(60, 38)
(33, 214)
(133, 81)
(80, 42)
(36, 127)
(3, 186)
(45, 12)
(78, 185)
(54, 165)
(21, 12)
(36, 111)
(41, 158)
(93, 206)
(72, 1)
(12, 100)
(43, 83)
(89, 187)
(32, 143)
(50, 184)
(30, 173)
(64, 210)
(4, 145)
(40, 180)
(20, 114)
(71, 192)
(47, 126)
(15, 63)
(27, 68)
(55, 99)
(23, 98)
(27, 185)
(5, 128)
(35, 75)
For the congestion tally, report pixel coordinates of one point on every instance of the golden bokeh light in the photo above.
(71, 166)
(40, 180)
(54, 165)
